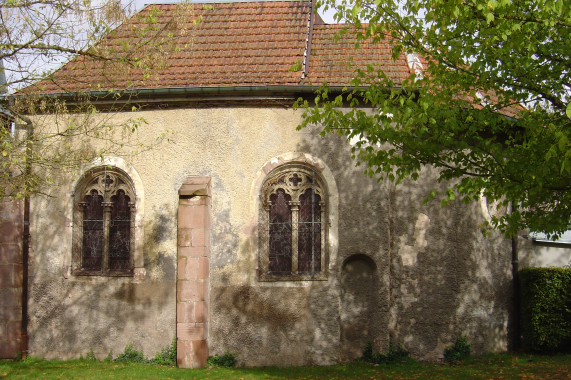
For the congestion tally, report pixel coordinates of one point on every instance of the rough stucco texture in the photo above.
(11, 275)
(431, 273)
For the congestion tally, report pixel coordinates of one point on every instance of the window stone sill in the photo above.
(292, 277)
(103, 274)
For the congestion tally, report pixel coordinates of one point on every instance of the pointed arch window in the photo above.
(104, 217)
(292, 229)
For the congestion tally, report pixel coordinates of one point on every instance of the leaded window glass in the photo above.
(280, 233)
(92, 252)
(309, 232)
(291, 230)
(104, 220)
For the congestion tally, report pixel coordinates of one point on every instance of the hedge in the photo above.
(546, 309)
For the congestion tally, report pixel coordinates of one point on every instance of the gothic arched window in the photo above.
(104, 214)
(293, 222)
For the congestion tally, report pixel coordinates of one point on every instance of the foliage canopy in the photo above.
(487, 102)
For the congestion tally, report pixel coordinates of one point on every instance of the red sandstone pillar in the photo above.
(193, 265)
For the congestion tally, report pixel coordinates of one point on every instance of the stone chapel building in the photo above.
(244, 234)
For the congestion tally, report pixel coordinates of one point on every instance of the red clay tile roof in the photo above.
(235, 44)
(335, 61)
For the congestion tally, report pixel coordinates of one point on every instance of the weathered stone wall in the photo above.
(419, 275)
(447, 280)
(11, 277)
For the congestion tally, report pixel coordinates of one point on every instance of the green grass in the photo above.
(501, 366)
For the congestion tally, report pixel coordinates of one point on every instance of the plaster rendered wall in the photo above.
(433, 276)
(550, 255)
(447, 280)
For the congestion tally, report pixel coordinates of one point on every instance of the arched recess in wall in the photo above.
(330, 188)
(359, 306)
(137, 184)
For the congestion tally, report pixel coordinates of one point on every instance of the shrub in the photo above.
(226, 360)
(131, 355)
(394, 355)
(167, 356)
(458, 351)
(546, 309)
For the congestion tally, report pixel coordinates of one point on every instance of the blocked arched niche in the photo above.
(359, 305)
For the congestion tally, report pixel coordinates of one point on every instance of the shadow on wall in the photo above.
(438, 276)
(364, 243)
(286, 323)
(259, 324)
(273, 323)
(448, 280)
(68, 317)
(160, 233)
(422, 275)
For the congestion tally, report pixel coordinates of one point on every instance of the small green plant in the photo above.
(368, 353)
(458, 351)
(226, 360)
(90, 356)
(167, 356)
(131, 355)
(394, 355)
(109, 357)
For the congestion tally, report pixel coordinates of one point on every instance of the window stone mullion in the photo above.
(106, 226)
(132, 210)
(294, 235)
(323, 223)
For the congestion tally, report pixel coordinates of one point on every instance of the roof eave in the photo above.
(172, 96)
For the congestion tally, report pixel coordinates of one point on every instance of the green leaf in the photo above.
(469, 116)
